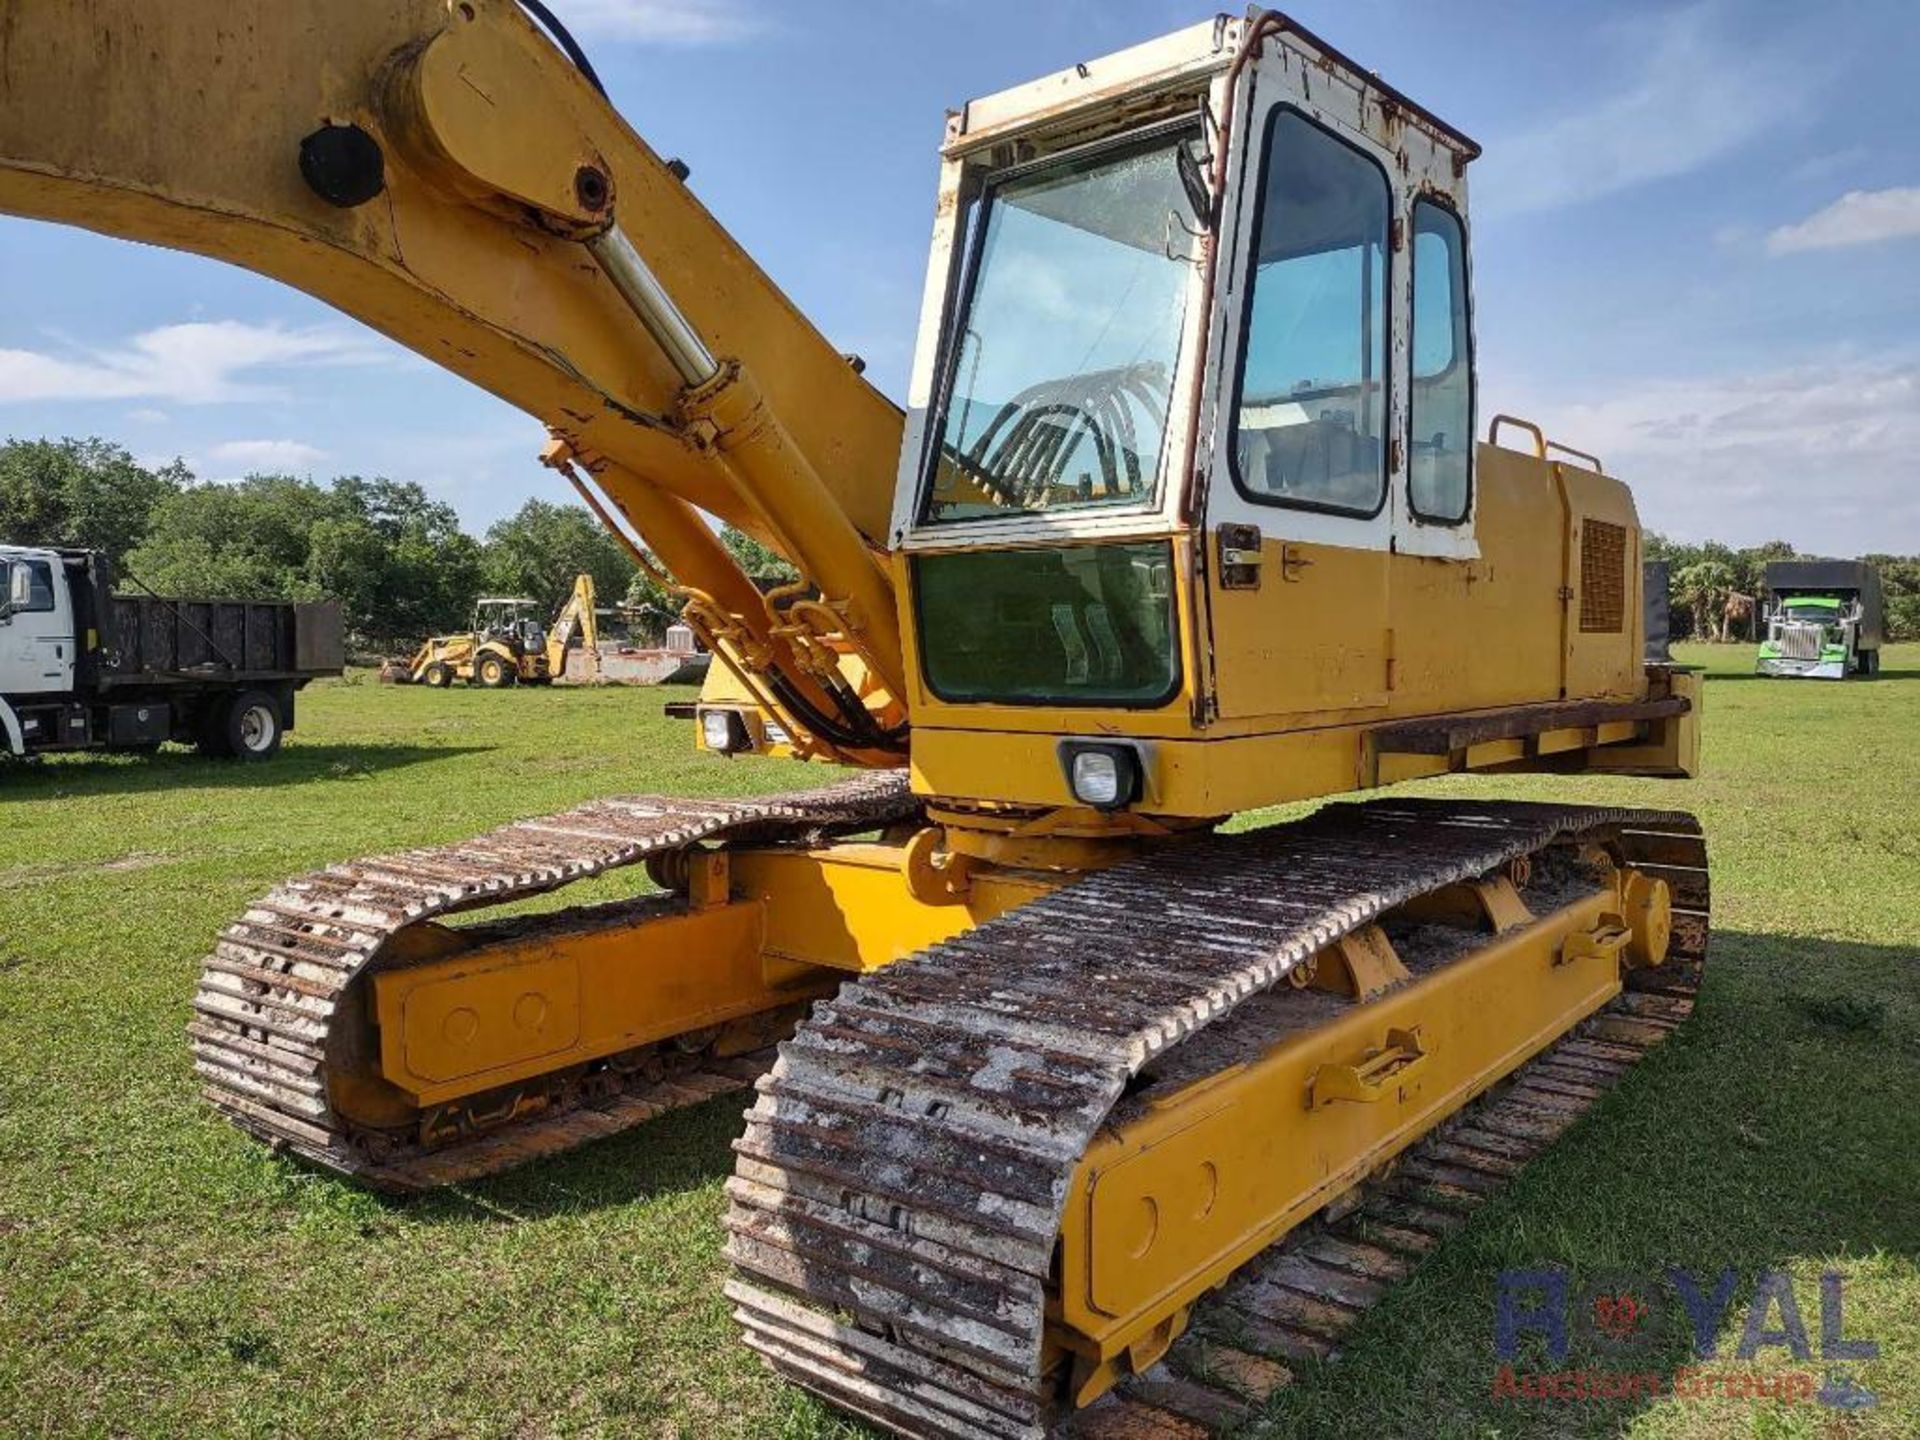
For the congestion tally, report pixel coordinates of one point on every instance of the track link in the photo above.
(899, 1188)
(284, 982)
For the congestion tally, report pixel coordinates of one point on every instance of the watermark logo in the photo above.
(1629, 1324)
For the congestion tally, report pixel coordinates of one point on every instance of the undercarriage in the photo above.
(1190, 1107)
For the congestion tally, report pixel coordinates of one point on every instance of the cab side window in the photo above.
(39, 584)
(1310, 415)
(1440, 406)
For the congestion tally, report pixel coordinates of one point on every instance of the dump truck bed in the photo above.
(151, 640)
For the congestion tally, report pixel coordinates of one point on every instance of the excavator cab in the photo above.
(1190, 472)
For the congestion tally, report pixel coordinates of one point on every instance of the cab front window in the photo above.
(1061, 363)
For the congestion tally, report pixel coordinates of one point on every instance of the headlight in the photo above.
(723, 731)
(1106, 777)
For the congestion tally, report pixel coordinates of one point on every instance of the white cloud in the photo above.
(147, 416)
(664, 22)
(199, 363)
(1859, 217)
(1819, 454)
(275, 456)
(1700, 92)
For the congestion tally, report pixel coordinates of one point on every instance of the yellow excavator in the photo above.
(1087, 1110)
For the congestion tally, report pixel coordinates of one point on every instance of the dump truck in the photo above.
(1824, 620)
(1656, 591)
(1190, 511)
(84, 668)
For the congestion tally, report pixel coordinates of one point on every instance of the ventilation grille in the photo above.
(1603, 577)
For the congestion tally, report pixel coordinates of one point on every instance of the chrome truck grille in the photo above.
(1802, 642)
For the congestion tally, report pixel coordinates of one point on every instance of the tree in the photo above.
(539, 550)
(245, 541)
(762, 563)
(1703, 587)
(87, 493)
(397, 561)
(1900, 589)
(416, 570)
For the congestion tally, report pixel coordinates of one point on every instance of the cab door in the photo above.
(37, 639)
(1298, 515)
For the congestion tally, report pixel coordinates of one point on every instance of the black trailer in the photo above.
(1656, 594)
(82, 667)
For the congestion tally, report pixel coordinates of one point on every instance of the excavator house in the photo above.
(1086, 1106)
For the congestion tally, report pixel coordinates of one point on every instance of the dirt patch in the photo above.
(16, 876)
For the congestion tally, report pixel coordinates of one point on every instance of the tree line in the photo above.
(395, 558)
(402, 568)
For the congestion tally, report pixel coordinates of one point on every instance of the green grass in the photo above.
(161, 1275)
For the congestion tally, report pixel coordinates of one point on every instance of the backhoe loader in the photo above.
(1082, 1103)
(505, 645)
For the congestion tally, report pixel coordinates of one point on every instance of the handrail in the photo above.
(1598, 468)
(1539, 439)
(1541, 444)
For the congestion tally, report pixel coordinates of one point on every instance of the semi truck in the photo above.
(84, 668)
(1823, 620)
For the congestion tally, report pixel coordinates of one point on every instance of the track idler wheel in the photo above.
(1646, 904)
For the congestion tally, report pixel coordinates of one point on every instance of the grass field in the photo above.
(161, 1275)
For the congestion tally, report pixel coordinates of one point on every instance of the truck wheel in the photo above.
(248, 727)
(493, 672)
(438, 675)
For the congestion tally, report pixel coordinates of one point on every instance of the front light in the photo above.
(723, 731)
(1105, 777)
(1096, 778)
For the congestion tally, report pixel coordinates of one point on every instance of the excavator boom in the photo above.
(451, 179)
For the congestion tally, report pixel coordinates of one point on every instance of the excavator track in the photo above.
(899, 1190)
(284, 982)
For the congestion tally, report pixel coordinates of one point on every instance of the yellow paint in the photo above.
(1312, 637)
(174, 125)
(1169, 1204)
(851, 906)
(518, 310)
(1297, 670)
(516, 1009)
(761, 928)
(472, 255)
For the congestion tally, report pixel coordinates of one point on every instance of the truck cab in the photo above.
(39, 647)
(37, 631)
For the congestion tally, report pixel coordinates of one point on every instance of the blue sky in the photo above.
(1697, 242)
